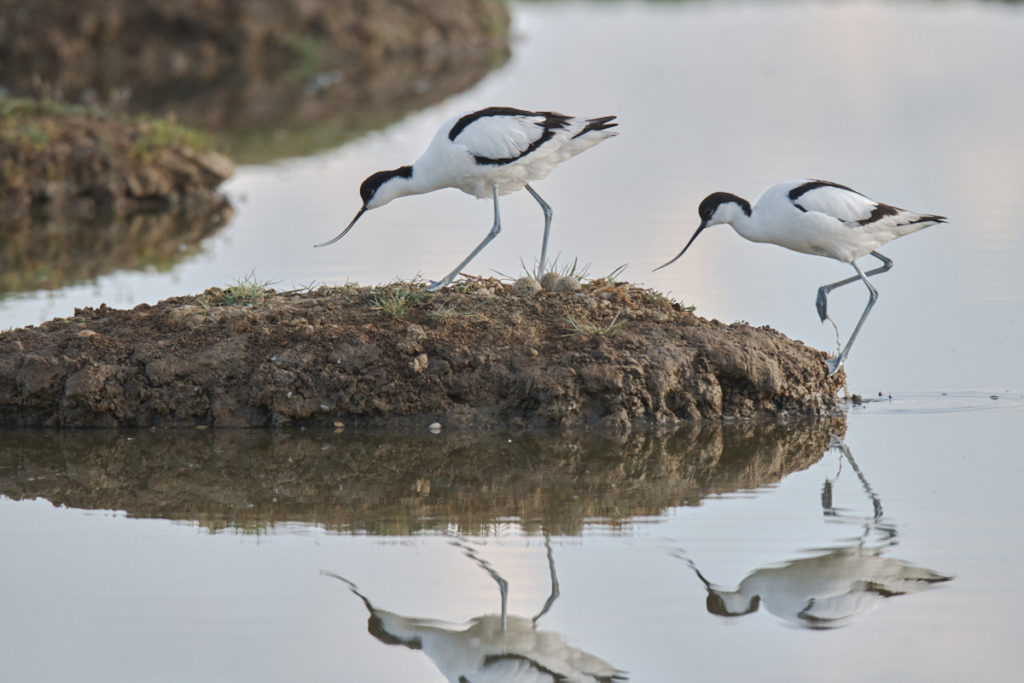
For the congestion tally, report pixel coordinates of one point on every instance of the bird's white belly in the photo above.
(808, 234)
(477, 179)
(509, 178)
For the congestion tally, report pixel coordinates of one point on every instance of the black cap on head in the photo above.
(373, 183)
(716, 605)
(716, 199)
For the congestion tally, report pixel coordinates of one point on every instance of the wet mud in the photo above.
(480, 354)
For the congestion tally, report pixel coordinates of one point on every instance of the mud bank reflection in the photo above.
(399, 484)
(493, 647)
(51, 252)
(272, 79)
(828, 589)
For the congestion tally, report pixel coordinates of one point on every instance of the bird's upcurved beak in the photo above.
(676, 257)
(343, 232)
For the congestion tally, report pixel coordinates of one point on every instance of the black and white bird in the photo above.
(487, 153)
(826, 590)
(830, 587)
(822, 218)
(492, 648)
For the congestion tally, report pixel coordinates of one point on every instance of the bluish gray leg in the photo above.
(822, 302)
(555, 592)
(548, 213)
(495, 229)
(489, 568)
(834, 363)
(503, 589)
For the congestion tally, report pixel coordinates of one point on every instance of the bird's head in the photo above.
(731, 603)
(717, 208)
(383, 186)
(377, 190)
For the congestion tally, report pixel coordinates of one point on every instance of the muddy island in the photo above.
(479, 354)
(59, 159)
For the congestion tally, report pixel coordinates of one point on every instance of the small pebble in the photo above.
(567, 283)
(435, 427)
(526, 286)
(548, 280)
(419, 363)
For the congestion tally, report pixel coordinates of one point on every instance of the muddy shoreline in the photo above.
(478, 355)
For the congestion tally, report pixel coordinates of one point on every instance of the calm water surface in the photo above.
(199, 556)
(891, 555)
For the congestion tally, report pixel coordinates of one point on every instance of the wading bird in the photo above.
(486, 153)
(821, 218)
(828, 588)
(492, 647)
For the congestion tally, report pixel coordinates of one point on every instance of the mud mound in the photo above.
(57, 159)
(474, 355)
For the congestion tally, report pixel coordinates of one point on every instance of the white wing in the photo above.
(838, 201)
(857, 211)
(502, 135)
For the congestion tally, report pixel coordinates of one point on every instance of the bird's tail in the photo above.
(600, 123)
(930, 218)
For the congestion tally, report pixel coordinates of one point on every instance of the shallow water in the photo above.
(199, 555)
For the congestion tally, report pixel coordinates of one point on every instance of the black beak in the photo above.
(343, 232)
(676, 258)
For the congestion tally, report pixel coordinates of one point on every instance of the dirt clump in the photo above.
(476, 354)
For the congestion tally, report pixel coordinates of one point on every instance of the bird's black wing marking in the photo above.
(856, 210)
(469, 118)
(878, 213)
(801, 190)
(491, 660)
(547, 121)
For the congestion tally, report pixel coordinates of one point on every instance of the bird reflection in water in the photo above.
(827, 590)
(494, 647)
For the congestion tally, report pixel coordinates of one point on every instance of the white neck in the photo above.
(426, 178)
(400, 186)
(743, 224)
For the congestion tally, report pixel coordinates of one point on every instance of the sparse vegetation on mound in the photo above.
(477, 354)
